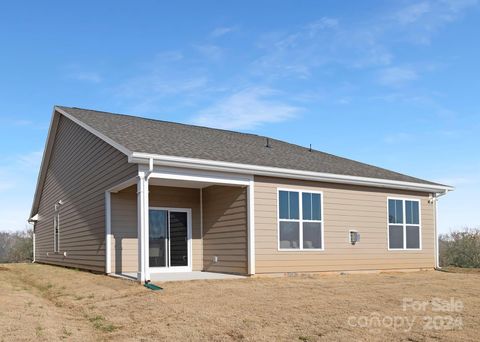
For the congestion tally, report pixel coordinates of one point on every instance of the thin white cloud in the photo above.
(88, 76)
(366, 44)
(164, 77)
(246, 109)
(321, 24)
(78, 72)
(12, 121)
(324, 42)
(395, 76)
(32, 159)
(397, 138)
(221, 31)
(433, 14)
(412, 13)
(210, 51)
(421, 19)
(22, 122)
(168, 56)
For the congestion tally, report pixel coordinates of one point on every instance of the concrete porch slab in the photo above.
(183, 276)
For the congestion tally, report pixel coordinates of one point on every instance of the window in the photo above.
(300, 220)
(404, 231)
(56, 231)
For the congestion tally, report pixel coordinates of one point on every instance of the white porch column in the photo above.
(143, 273)
(251, 227)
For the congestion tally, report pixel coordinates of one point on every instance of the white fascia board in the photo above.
(144, 158)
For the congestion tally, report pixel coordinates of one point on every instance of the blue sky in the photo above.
(394, 84)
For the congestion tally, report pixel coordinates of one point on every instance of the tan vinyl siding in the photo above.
(345, 207)
(225, 229)
(124, 223)
(124, 231)
(81, 168)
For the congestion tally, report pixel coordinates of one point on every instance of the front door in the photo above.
(169, 240)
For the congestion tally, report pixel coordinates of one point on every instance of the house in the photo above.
(123, 194)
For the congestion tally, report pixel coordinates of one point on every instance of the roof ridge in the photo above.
(327, 157)
(165, 121)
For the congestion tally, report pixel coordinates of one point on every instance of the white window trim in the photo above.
(300, 220)
(404, 224)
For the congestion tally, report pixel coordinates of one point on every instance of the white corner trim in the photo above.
(144, 158)
(251, 227)
(108, 233)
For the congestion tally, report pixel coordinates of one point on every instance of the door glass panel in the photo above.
(178, 239)
(158, 221)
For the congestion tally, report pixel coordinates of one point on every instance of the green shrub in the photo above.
(16, 247)
(460, 248)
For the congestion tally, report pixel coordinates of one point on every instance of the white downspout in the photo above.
(33, 221)
(435, 221)
(33, 241)
(146, 212)
(141, 226)
(437, 252)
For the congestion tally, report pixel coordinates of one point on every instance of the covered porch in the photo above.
(173, 224)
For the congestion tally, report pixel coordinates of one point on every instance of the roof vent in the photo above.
(268, 143)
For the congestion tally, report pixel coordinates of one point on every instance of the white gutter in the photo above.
(193, 163)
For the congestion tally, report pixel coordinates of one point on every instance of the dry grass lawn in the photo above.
(39, 302)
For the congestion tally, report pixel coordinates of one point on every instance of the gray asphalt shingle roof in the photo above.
(181, 140)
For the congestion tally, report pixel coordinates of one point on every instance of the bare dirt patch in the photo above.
(461, 270)
(42, 302)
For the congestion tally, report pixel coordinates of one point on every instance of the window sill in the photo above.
(404, 249)
(300, 250)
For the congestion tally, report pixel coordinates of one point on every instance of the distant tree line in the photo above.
(16, 246)
(460, 248)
